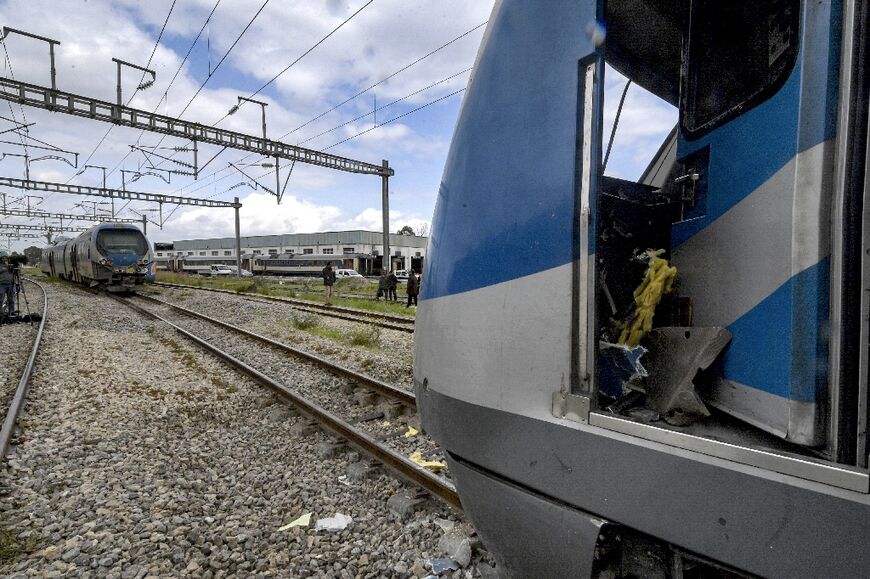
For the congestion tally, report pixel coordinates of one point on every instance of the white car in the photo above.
(402, 274)
(346, 273)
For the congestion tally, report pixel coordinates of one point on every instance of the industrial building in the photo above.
(360, 250)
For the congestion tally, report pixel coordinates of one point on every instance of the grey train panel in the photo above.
(767, 524)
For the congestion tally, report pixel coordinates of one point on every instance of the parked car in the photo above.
(402, 274)
(245, 273)
(339, 273)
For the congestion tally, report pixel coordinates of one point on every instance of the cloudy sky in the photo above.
(212, 51)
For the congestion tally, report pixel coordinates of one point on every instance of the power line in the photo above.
(174, 77)
(306, 53)
(389, 104)
(396, 118)
(211, 72)
(385, 79)
(388, 121)
(399, 71)
(153, 51)
(221, 61)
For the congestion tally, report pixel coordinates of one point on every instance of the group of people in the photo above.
(387, 285)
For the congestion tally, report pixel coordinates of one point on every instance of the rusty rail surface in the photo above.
(394, 461)
(24, 383)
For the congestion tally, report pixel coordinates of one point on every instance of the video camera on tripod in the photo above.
(12, 290)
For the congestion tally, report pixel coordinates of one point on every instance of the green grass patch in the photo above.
(305, 322)
(310, 289)
(11, 547)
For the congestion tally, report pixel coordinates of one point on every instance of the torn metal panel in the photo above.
(674, 359)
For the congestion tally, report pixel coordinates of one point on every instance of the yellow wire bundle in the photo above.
(659, 280)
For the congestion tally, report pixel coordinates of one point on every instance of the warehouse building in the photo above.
(360, 250)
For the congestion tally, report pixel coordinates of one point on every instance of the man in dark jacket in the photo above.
(392, 282)
(328, 281)
(7, 287)
(413, 289)
(383, 286)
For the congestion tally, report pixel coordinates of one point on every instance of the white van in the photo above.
(340, 273)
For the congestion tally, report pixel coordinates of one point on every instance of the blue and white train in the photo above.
(115, 256)
(743, 451)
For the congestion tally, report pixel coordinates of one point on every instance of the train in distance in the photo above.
(718, 428)
(113, 256)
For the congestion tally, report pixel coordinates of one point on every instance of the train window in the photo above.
(121, 241)
(736, 55)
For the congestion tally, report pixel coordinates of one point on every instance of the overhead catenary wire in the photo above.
(220, 62)
(386, 78)
(153, 51)
(171, 82)
(293, 63)
(388, 121)
(306, 53)
(358, 94)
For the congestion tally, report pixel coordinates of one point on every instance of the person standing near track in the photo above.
(328, 281)
(413, 289)
(382, 286)
(392, 282)
(7, 288)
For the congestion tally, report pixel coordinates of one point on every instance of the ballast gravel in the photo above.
(17, 343)
(392, 361)
(142, 456)
(338, 395)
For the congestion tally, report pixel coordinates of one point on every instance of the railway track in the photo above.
(18, 398)
(358, 432)
(389, 321)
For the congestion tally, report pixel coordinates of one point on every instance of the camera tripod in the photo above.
(19, 293)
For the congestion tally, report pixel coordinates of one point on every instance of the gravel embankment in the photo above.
(143, 456)
(333, 393)
(391, 362)
(17, 343)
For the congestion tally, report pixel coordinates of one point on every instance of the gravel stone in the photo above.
(146, 456)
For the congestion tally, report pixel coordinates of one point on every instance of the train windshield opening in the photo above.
(121, 242)
(681, 348)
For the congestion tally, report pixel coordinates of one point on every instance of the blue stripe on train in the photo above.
(747, 151)
(505, 208)
(780, 346)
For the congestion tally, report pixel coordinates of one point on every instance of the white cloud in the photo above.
(385, 36)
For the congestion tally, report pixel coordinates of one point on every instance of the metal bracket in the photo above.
(573, 407)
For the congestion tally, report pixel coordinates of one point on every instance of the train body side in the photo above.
(495, 347)
(114, 256)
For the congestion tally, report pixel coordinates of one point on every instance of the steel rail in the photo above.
(397, 463)
(24, 383)
(405, 397)
(390, 321)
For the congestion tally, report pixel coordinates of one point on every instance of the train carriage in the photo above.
(740, 447)
(115, 256)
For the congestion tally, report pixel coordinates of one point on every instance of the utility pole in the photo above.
(238, 242)
(385, 212)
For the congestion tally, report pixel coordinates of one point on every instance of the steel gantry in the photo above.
(121, 194)
(49, 98)
(64, 216)
(59, 228)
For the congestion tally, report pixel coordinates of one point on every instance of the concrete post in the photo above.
(385, 213)
(238, 243)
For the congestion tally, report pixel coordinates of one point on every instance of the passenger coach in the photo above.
(113, 255)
